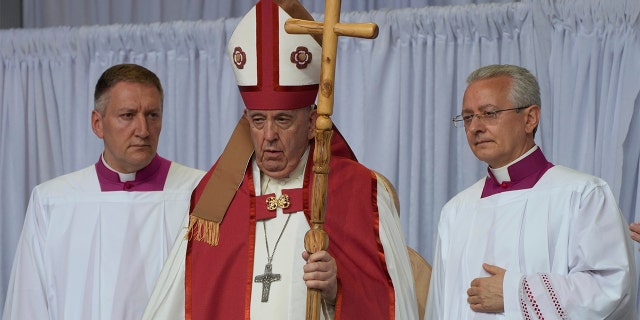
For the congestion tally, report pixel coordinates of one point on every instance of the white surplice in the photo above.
(287, 299)
(86, 254)
(564, 244)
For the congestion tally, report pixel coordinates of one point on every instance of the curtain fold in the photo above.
(594, 67)
(394, 97)
(594, 125)
(51, 13)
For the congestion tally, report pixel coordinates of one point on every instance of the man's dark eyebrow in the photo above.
(126, 110)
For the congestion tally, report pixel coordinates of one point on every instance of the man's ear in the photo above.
(313, 116)
(532, 118)
(96, 123)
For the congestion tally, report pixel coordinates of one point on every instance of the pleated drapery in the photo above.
(394, 97)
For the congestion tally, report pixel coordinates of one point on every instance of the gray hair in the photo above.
(525, 90)
(123, 73)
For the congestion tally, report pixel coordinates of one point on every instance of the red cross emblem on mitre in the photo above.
(274, 70)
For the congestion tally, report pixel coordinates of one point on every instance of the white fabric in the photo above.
(87, 254)
(287, 296)
(394, 96)
(288, 73)
(568, 226)
(49, 13)
(287, 299)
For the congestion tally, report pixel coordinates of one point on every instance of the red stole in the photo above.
(219, 278)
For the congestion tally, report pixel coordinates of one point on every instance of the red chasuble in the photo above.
(219, 278)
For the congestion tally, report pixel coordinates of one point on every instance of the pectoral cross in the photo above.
(266, 278)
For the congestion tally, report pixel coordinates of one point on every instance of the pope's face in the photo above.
(505, 138)
(280, 138)
(130, 126)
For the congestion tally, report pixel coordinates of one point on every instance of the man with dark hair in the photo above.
(95, 240)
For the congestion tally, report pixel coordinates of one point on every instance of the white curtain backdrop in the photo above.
(395, 97)
(593, 123)
(51, 13)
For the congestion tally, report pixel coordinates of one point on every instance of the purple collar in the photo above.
(524, 175)
(150, 178)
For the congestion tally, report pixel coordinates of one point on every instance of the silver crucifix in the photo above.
(266, 278)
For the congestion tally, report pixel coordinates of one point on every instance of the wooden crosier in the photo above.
(316, 239)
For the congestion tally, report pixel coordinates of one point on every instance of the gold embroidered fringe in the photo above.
(203, 230)
(226, 177)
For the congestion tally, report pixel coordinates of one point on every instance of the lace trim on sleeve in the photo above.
(554, 297)
(528, 301)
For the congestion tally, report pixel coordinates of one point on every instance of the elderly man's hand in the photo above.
(635, 231)
(485, 294)
(320, 273)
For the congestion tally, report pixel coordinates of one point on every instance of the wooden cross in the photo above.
(266, 278)
(316, 238)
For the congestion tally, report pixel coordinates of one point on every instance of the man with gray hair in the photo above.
(531, 240)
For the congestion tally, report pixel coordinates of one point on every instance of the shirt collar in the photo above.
(502, 174)
(150, 178)
(124, 177)
(521, 174)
